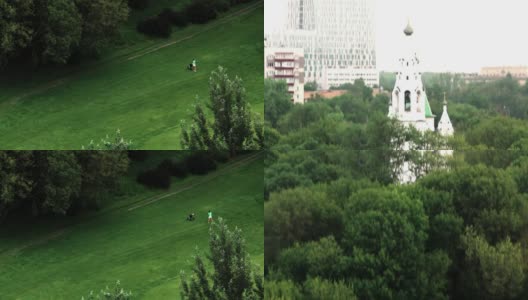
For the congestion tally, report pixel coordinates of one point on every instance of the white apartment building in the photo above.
(288, 65)
(340, 76)
(338, 38)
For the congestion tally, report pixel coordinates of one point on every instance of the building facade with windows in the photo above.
(338, 38)
(288, 65)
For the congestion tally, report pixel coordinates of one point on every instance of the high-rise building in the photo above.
(338, 38)
(288, 65)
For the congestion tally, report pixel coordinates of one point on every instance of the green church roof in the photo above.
(428, 112)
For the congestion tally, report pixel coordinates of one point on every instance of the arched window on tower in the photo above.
(407, 101)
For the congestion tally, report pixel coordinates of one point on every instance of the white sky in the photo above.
(450, 35)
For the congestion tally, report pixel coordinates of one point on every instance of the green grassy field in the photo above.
(141, 238)
(140, 86)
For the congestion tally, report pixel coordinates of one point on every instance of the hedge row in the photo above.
(198, 163)
(197, 12)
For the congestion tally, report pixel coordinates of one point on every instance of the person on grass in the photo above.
(194, 65)
(210, 217)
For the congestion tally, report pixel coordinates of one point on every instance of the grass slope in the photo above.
(140, 87)
(143, 243)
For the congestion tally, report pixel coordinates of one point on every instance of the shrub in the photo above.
(201, 11)
(179, 169)
(155, 26)
(138, 155)
(138, 4)
(117, 293)
(176, 18)
(220, 156)
(222, 5)
(166, 164)
(155, 178)
(200, 163)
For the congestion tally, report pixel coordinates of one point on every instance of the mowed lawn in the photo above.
(143, 243)
(140, 87)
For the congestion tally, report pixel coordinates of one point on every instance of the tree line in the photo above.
(195, 12)
(39, 183)
(57, 31)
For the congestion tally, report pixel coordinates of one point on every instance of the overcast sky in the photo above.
(450, 35)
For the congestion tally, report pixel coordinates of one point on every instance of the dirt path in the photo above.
(241, 162)
(131, 206)
(222, 21)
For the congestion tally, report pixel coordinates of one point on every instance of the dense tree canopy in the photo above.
(333, 198)
(57, 182)
(276, 100)
(52, 31)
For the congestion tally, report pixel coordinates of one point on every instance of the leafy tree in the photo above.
(277, 101)
(354, 108)
(231, 111)
(299, 215)
(385, 237)
(101, 20)
(233, 128)
(499, 268)
(54, 31)
(259, 138)
(445, 225)
(358, 89)
(16, 28)
(233, 276)
(493, 138)
(198, 136)
(16, 181)
(59, 33)
(101, 171)
(57, 181)
(323, 258)
(519, 172)
(485, 198)
(301, 116)
(283, 289)
(310, 86)
(385, 141)
(317, 288)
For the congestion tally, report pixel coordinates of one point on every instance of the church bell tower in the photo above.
(409, 102)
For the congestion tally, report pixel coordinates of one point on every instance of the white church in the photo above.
(410, 106)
